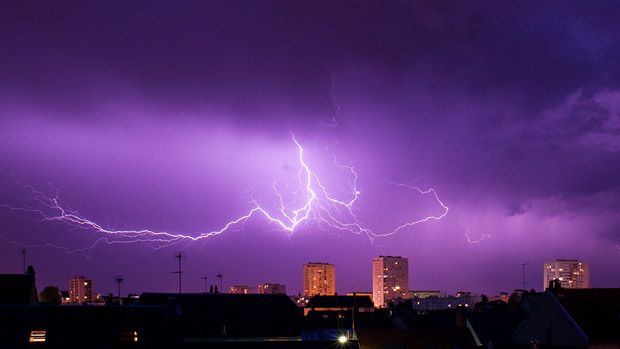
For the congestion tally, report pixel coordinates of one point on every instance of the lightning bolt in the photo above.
(311, 202)
(470, 240)
(483, 237)
(337, 107)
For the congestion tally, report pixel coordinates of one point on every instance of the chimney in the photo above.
(555, 285)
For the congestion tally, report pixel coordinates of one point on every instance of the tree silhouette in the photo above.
(50, 295)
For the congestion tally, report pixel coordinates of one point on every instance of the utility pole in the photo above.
(118, 280)
(206, 283)
(353, 317)
(523, 265)
(24, 259)
(220, 276)
(179, 256)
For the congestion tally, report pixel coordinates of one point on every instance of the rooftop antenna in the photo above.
(118, 280)
(206, 283)
(179, 256)
(220, 276)
(24, 259)
(523, 265)
(353, 316)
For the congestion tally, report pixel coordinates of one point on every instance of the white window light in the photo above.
(129, 336)
(37, 336)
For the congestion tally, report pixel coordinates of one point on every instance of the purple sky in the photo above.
(167, 116)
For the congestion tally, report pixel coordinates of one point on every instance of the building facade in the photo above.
(271, 288)
(425, 294)
(443, 302)
(80, 290)
(241, 289)
(319, 279)
(570, 272)
(390, 279)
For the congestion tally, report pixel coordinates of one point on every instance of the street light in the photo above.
(342, 339)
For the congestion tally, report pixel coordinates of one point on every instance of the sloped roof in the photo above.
(529, 300)
(17, 289)
(495, 323)
(596, 310)
(550, 324)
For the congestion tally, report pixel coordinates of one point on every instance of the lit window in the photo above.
(129, 336)
(37, 336)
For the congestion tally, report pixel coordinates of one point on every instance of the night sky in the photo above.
(179, 116)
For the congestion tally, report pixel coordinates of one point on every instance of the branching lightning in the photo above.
(312, 203)
(337, 107)
(482, 237)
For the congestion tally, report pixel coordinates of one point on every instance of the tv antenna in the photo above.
(24, 259)
(118, 279)
(179, 271)
(206, 283)
(220, 276)
(523, 265)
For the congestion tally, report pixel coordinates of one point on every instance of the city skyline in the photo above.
(319, 278)
(477, 140)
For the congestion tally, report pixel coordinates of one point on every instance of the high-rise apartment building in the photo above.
(80, 290)
(271, 288)
(390, 279)
(570, 272)
(319, 279)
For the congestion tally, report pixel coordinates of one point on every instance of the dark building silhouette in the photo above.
(576, 318)
(85, 326)
(339, 304)
(557, 318)
(18, 289)
(162, 320)
(220, 315)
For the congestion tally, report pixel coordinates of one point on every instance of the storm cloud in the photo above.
(163, 115)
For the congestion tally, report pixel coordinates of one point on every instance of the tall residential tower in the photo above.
(570, 272)
(80, 290)
(390, 279)
(319, 279)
